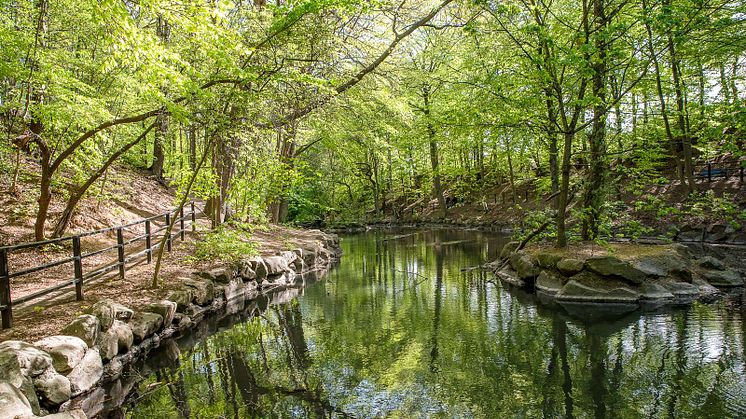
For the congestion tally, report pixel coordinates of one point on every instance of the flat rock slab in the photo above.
(166, 309)
(548, 283)
(66, 351)
(726, 278)
(570, 266)
(576, 291)
(615, 267)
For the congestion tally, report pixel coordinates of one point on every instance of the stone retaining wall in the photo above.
(63, 373)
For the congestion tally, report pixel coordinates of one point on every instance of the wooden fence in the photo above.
(79, 278)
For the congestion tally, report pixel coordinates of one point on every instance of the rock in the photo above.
(706, 291)
(662, 265)
(548, 283)
(523, 266)
(107, 344)
(66, 351)
(183, 298)
(68, 414)
(53, 389)
(234, 289)
(84, 327)
(508, 250)
(259, 267)
(509, 276)
(31, 360)
(726, 278)
(683, 292)
(204, 290)
(276, 265)
(167, 310)
(107, 311)
(614, 267)
(576, 291)
(12, 402)
(655, 292)
(87, 373)
(118, 339)
(220, 275)
(570, 266)
(709, 262)
(547, 260)
(246, 271)
(144, 324)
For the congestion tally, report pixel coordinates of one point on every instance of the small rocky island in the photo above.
(626, 276)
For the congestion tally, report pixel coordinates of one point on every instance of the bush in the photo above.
(227, 243)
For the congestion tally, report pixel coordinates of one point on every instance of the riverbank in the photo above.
(62, 372)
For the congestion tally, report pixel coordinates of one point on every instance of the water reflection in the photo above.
(398, 329)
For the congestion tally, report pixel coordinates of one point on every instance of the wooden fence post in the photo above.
(7, 310)
(181, 223)
(166, 231)
(149, 251)
(194, 214)
(120, 251)
(78, 266)
(741, 174)
(709, 172)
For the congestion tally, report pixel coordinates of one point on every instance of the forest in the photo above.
(587, 117)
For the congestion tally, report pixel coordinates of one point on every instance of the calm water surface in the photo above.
(398, 329)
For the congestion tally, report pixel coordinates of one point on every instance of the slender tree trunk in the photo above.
(597, 139)
(686, 139)
(434, 162)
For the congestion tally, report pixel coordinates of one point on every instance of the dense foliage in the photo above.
(344, 110)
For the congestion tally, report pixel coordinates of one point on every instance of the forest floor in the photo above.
(129, 195)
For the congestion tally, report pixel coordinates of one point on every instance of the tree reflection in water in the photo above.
(399, 329)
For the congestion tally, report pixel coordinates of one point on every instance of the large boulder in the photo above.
(221, 275)
(276, 265)
(118, 339)
(508, 250)
(570, 266)
(144, 324)
(87, 373)
(234, 289)
(726, 278)
(13, 404)
(183, 298)
(547, 260)
(66, 351)
(259, 267)
(52, 388)
(204, 290)
(107, 311)
(666, 263)
(548, 283)
(84, 327)
(683, 292)
(68, 414)
(31, 360)
(167, 310)
(577, 291)
(614, 267)
(655, 292)
(709, 262)
(523, 266)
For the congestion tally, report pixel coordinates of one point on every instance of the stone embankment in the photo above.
(57, 373)
(641, 275)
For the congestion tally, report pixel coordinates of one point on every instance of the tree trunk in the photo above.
(597, 139)
(435, 164)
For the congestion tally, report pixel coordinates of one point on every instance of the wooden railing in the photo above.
(79, 278)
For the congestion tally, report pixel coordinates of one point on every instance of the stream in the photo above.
(399, 328)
